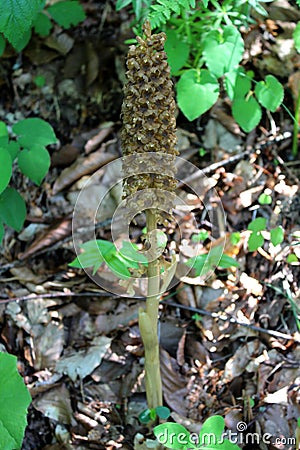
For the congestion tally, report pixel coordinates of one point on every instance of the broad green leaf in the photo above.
(5, 168)
(34, 163)
(296, 36)
(197, 91)
(67, 13)
(277, 235)
(223, 51)
(146, 415)
(163, 412)
(172, 435)
(235, 238)
(292, 258)
(117, 264)
(13, 149)
(42, 24)
(269, 93)
(243, 83)
(2, 231)
(258, 224)
(247, 113)
(93, 254)
(130, 252)
(12, 209)
(211, 431)
(16, 19)
(177, 50)
(227, 261)
(15, 400)
(2, 44)
(255, 241)
(202, 264)
(3, 131)
(265, 199)
(34, 132)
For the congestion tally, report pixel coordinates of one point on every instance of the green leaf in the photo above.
(5, 168)
(265, 199)
(2, 231)
(163, 412)
(122, 4)
(13, 149)
(255, 241)
(16, 19)
(12, 208)
(235, 238)
(203, 234)
(197, 91)
(211, 430)
(202, 264)
(247, 113)
(241, 84)
(118, 264)
(296, 36)
(34, 163)
(34, 132)
(292, 258)
(227, 261)
(15, 400)
(93, 255)
(223, 51)
(67, 13)
(172, 435)
(277, 235)
(146, 416)
(42, 24)
(177, 50)
(258, 224)
(39, 81)
(130, 252)
(269, 93)
(2, 44)
(3, 131)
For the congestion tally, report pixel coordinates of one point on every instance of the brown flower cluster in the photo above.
(148, 133)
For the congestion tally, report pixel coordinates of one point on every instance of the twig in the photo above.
(227, 317)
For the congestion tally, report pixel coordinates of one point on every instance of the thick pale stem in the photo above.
(148, 321)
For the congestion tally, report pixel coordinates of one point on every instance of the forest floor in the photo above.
(230, 343)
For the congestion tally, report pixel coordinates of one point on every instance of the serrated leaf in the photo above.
(177, 50)
(277, 235)
(34, 132)
(16, 19)
(212, 427)
(258, 224)
(168, 435)
(12, 208)
(34, 163)
(246, 112)
(255, 241)
(42, 24)
(296, 36)
(269, 93)
(5, 168)
(196, 92)
(15, 400)
(223, 51)
(67, 13)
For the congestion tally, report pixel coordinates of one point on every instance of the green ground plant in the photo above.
(18, 19)
(30, 156)
(205, 49)
(15, 400)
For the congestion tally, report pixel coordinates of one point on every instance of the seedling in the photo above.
(29, 150)
(256, 239)
(211, 436)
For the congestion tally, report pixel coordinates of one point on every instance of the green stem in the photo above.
(148, 322)
(296, 128)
